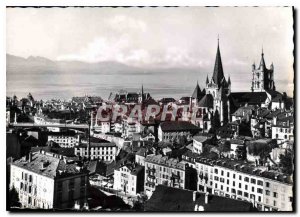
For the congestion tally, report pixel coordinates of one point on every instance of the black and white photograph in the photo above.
(150, 109)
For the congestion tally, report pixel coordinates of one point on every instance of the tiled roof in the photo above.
(47, 164)
(170, 199)
(176, 126)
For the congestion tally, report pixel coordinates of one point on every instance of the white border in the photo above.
(5, 3)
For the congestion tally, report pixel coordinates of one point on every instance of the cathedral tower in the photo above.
(262, 77)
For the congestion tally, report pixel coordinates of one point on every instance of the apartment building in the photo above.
(129, 178)
(105, 151)
(233, 179)
(166, 171)
(170, 130)
(199, 142)
(67, 139)
(283, 128)
(47, 181)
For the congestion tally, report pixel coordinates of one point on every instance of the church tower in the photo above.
(262, 77)
(219, 88)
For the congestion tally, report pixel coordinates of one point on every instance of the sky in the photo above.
(158, 37)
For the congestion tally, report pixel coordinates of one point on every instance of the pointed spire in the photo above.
(262, 64)
(229, 81)
(197, 94)
(207, 81)
(218, 74)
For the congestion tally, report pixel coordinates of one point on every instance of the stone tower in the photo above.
(262, 78)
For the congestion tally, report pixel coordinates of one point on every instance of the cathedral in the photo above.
(216, 99)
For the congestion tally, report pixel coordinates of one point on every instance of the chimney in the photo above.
(206, 197)
(194, 195)
(30, 157)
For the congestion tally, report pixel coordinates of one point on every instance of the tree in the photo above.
(14, 198)
(286, 162)
(216, 123)
(224, 146)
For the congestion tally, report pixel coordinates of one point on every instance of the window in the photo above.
(240, 185)
(246, 179)
(267, 184)
(233, 190)
(227, 181)
(268, 192)
(233, 183)
(227, 174)
(275, 195)
(274, 203)
(234, 176)
(240, 193)
(222, 173)
(259, 182)
(216, 171)
(253, 181)
(259, 198)
(240, 177)
(252, 189)
(246, 194)
(259, 190)
(216, 185)
(246, 187)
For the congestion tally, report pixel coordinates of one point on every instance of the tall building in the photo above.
(220, 89)
(46, 181)
(262, 77)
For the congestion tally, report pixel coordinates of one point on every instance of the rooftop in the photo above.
(48, 164)
(174, 126)
(169, 199)
(165, 161)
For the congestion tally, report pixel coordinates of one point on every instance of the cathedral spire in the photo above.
(207, 81)
(218, 74)
(262, 64)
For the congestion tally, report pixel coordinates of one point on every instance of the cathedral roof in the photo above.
(218, 74)
(207, 101)
(197, 94)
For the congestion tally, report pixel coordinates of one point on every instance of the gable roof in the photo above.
(168, 199)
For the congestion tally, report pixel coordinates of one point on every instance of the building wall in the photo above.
(159, 174)
(40, 192)
(125, 181)
(282, 133)
(106, 153)
(65, 141)
(35, 191)
(237, 185)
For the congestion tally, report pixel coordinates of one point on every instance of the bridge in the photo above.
(74, 126)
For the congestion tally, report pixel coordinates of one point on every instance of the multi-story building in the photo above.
(129, 178)
(46, 181)
(283, 128)
(162, 170)
(67, 139)
(170, 130)
(105, 151)
(199, 142)
(233, 179)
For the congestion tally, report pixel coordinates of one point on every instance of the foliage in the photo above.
(286, 162)
(224, 146)
(14, 198)
(216, 123)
